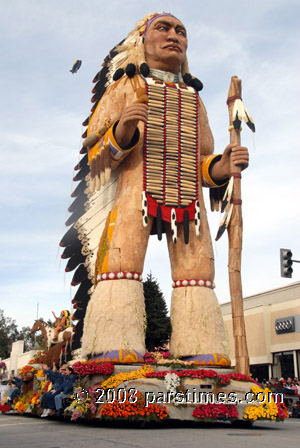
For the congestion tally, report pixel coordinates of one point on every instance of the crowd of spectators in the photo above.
(60, 382)
(62, 386)
(289, 388)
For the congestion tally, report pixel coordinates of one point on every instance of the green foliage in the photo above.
(9, 334)
(158, 322)
(32, 341)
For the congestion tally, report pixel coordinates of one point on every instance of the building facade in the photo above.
(272, 321)
(17, 359)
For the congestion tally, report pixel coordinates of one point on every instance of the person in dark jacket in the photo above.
(15, 390)
(57, 378)
(65, 389)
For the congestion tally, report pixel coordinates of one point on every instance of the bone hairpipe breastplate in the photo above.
(171, 151)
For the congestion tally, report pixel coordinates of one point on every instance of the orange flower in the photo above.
(127, 409)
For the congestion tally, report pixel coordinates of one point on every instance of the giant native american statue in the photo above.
(149, 153)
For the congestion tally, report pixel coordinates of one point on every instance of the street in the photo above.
(27, 431)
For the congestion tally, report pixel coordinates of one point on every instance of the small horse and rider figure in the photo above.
(57, 337)
(61, 323)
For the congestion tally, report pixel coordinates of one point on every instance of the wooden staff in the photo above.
(235, 233)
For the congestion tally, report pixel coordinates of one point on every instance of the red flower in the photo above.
(93, 368)
(215, 411)
(223, 380)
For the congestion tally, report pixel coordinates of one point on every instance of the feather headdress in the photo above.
(128, 57)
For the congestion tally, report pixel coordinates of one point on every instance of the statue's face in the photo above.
(166, 44)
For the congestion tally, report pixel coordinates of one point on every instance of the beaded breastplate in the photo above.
(171, 152)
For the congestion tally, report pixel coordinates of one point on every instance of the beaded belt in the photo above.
(193, 282)
(120, 275)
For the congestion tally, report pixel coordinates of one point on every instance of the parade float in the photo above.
(159, 390)
(148, 178)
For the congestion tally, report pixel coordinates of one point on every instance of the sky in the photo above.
(43, 106)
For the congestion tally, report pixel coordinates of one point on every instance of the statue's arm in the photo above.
(215, 168)
(207, 158)
(113, 131)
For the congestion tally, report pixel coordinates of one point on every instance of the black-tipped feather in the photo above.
(82, 163)
(79, 189)
(96, 87)
(72, 249)
(237, 123)
(79, 313)
(82, 294)
(78, 203)
(70, 240)
(86, 121)
(224, 203)
(221, 230)
(74, 261)
(69, 237)
(79, 275)
(227, 195)
(75, 216)
(225, 222)
(76, 342)
(96, 77)
(250, 123)
(82, 173)
(97, 96)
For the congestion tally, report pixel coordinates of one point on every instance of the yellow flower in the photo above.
(265, 409)
(115, 380)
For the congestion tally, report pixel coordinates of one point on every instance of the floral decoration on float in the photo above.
(27, 369)
(125, 409)
(119, 404)
(211, 412)
(83, 403)
(269, 408)
(82, 368)
(28, 402)
(120, 378)
(39, 358)
(220, 379)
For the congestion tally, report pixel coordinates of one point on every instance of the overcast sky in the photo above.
(43, 106)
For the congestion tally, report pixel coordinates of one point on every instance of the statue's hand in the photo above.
(128, 123)
(240, 157)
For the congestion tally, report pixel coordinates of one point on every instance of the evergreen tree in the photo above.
(158, 322)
